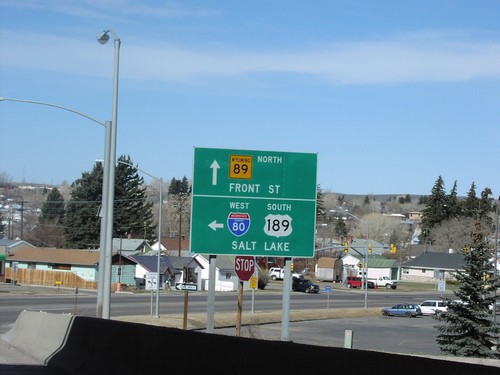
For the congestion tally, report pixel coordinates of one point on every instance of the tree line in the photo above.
(75, 224)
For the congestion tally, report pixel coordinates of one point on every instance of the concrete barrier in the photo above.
(97, 346)
(39, 334)
(84, 345)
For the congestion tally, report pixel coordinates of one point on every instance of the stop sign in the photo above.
(244, 266)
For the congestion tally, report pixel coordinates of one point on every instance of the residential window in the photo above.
(228, 275)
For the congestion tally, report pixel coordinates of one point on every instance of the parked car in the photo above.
(357, 282)
(410, 310)
(433, 306)
(300, 284)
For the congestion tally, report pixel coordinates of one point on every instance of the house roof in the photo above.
(150, 263)
(184, 262)
(442, 261)
(57, 256)
(328, 262)
(380, 262)
(10, 244)
(127, 245)
(362, 245)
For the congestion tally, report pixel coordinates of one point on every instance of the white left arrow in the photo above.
(214, 167)
(215, 225)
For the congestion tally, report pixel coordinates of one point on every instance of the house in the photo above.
(50, 266)
(432, 267)
(378, 266)
(144, 264)
(134, 246)
(226, 279)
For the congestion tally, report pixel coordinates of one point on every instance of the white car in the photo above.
(433, 306)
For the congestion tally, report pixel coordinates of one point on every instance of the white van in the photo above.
(433, 306)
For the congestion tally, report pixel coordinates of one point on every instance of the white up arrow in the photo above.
(214, 167)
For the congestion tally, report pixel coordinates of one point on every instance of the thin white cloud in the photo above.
(373, 62)
(115, 8)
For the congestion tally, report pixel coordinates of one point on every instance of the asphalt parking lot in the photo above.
(381, 333)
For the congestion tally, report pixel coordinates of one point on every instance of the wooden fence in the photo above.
(65, 279)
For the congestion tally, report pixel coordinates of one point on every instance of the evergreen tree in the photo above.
(340, 229)
(471, 203)
(320, 203)
(436, 209)
(53, 209)
(133, 213)
(454, 205)
(466, 329)
(485, 207)
(82, 221)
(179, 192)
(49, 231)
(179, 187)
(2, 225)
(366, 201)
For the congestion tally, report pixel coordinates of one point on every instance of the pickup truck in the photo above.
(384, 282)
(276, 273)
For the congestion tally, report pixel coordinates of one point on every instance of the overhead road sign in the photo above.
(257, 203)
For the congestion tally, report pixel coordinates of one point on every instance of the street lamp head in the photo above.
(103, 37)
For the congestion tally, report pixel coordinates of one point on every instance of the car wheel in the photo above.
(409, 314)
(388, 286)
(349, 285)
(273, 278)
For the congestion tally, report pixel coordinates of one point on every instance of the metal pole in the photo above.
(365, 273)
(111, 186)
(285, 309)
(103, 214)
(159, 250)
(212, 268)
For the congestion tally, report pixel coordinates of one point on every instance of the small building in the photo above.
(329, 269)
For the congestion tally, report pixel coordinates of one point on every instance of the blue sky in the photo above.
(390, 94)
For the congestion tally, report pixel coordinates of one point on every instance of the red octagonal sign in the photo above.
(244, 266)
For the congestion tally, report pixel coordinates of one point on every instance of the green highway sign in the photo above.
(258, 203)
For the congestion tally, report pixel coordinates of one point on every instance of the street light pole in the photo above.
(109, 173)
(104, 234)
(160, 224)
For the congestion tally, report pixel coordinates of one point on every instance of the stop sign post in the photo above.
(244, 266)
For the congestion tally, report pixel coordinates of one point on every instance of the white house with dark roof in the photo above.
(432, 267)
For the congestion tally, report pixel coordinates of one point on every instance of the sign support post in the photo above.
(240, 307)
